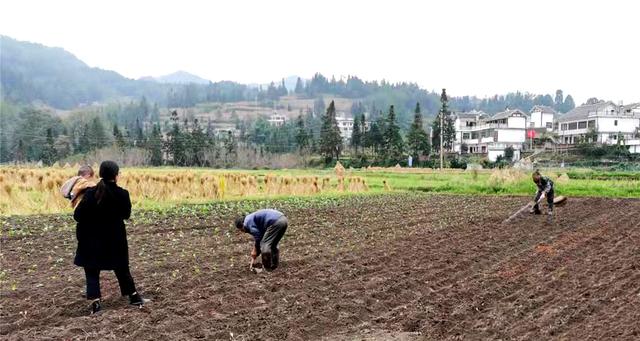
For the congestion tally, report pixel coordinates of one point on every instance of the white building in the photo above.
(542, 117)
(609, 121)
(633, 143)
(631, 108)
(277, 120)
(345, 124)
(490, 135)
(224, 129)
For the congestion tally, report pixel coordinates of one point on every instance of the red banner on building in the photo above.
(531, 134)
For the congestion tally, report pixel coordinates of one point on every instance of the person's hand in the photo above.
(544, 194)
(253, 265)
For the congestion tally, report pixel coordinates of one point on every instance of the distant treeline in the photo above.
(29, 134)
(371, 96)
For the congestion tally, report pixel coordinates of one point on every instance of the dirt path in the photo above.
(405, 267)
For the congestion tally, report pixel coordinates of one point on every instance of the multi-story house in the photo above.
(478, 133)
(608, 121)
(541, 118)
(277, 120)
(345, 124)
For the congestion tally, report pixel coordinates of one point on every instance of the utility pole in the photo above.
(443, 110)
(441, 139)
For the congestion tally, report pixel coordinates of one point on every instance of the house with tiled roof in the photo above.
(609, 121)
(541, 117)
(633, 108)
(479, 133)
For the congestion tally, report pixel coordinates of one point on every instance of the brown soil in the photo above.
(403, 267)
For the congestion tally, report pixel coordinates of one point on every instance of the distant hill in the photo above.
(33, 72)
(36, 74)
(179, 77)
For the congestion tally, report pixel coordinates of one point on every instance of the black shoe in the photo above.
(136, 299)
(95, 306)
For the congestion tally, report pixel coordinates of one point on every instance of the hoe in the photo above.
(557, 201)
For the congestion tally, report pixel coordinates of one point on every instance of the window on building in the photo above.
(615, 122)
(465, 136)
(564, 126)
(474, 136)
(591, 124)
(573, 126)
(582, 125)
(549, 125)
(613, 136)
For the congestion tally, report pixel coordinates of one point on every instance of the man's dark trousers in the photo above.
(269, 243)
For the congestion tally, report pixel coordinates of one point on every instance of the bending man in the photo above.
(267, 228)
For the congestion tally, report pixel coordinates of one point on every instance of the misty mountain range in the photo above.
(34, 73)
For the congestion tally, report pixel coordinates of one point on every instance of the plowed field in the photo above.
(383, 267)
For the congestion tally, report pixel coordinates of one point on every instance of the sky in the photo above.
(471, 47)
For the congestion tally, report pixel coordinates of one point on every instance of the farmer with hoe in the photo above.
(545, 189)
(267, 227)
(102, 237)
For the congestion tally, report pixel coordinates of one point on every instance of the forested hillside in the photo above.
(36, 73)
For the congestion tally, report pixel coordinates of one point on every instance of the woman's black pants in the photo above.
(127, 287)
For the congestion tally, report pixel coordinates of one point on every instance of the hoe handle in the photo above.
(524, 208)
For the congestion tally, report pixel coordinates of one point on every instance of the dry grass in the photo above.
(27, 191)
(506, 176)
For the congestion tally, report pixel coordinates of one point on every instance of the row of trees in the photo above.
(39, 135)
(382, 139)
(522, 101)
(30, 135)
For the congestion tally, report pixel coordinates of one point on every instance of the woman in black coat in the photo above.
(102, 237)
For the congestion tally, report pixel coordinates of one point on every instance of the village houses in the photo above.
(480, 133)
